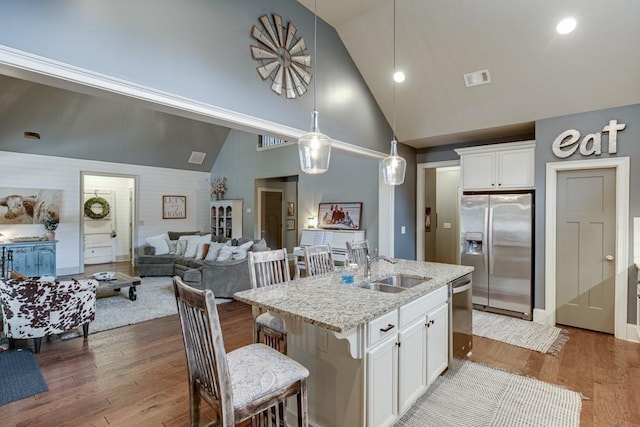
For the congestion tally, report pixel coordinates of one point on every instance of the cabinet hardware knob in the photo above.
(388, 328)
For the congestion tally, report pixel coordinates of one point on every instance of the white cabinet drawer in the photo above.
(382, 327)
(420, 307)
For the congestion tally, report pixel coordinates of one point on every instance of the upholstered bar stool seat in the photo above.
(272, 322)
(258, 371)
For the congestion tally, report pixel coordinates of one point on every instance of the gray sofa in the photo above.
(224, 278)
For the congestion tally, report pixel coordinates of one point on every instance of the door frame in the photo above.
(621, 166)
(421, 173)
(258, 222)
(133, 208)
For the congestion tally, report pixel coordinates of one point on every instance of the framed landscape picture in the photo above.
(174, 207)
(340, 216)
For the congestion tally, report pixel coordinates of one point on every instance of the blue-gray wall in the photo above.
(350, 178)
(200, 50)
(628, 145)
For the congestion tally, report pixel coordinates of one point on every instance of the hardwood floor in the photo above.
(136, 375)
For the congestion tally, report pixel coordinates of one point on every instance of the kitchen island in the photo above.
(368, 352)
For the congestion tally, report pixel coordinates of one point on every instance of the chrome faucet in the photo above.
(370, 260)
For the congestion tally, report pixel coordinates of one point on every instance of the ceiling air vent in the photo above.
(477, 78)
(197, 157)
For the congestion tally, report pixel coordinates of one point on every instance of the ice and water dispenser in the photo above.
(474, 242)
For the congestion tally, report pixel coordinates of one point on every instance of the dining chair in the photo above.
(268, 268)
(249, 383)
(357, 252)
(318, 259)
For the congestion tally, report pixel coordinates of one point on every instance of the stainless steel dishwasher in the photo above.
(460, 318)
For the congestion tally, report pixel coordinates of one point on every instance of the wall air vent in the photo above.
(477, 78)
(197, 157)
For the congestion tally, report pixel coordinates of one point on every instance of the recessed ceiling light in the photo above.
(398, 76)
(31, 135)
(566, 26)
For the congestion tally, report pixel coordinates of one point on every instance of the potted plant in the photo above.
(50, 222)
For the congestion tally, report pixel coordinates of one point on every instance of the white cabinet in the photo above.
(412, 353)
(498, 167)
(382, 379)
(406, 350)
(437, 339)
(226, 218)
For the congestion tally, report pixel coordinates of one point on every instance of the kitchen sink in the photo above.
(381, 287)
(403, 281)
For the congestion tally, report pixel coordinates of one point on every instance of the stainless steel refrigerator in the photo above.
(497, 240)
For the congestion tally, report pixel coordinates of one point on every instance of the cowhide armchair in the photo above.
(36, 308)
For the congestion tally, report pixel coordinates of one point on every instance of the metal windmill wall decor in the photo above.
(282, 57)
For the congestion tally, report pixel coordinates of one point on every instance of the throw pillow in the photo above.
(226, 252)
(214, 251)
(239, 253)
(246, 246)
(159, 243)
(173, 246)
(192, 248)
(182, 244)
(201, 241)
(205, 251)
(260, 245)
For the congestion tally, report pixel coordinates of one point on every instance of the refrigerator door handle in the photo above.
(490, 241)
(485, 248)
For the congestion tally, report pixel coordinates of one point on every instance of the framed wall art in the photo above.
(174, 207)
(29, 205)
(340, 216)
(291, 208)
(291, 224)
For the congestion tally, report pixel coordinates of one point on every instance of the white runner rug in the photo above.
(518, 332)
(155, 299)
(476, 395)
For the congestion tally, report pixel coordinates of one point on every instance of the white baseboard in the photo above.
(632, 333)
(540, 316)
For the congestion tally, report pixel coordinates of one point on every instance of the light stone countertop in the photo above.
(324, 301)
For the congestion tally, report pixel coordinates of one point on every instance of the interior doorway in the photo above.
(271, 207)
(621, 165)
(438, 201)
(111, 237)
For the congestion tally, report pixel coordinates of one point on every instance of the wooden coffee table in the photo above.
(121, 281)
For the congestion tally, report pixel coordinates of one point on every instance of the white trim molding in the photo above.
(27, 66)
(421, 174)
(621, 165)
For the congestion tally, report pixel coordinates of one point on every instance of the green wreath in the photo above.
(88, 205)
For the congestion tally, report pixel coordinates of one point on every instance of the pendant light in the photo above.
(314, 147)
(394, 166)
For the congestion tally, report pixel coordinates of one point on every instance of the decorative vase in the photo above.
(50, 235)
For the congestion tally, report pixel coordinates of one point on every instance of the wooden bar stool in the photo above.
(252, 382)
(318, 259)
(357, 252)
(269, 268)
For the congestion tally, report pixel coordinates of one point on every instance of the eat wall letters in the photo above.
(566, 143)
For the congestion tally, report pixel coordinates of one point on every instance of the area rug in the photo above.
(20, 376)
(155, 299)
(475, 395)
(518, 332)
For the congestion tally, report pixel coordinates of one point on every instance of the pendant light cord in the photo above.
(315, 49)
(394, 72)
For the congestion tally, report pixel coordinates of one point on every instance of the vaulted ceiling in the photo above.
(535, 72)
